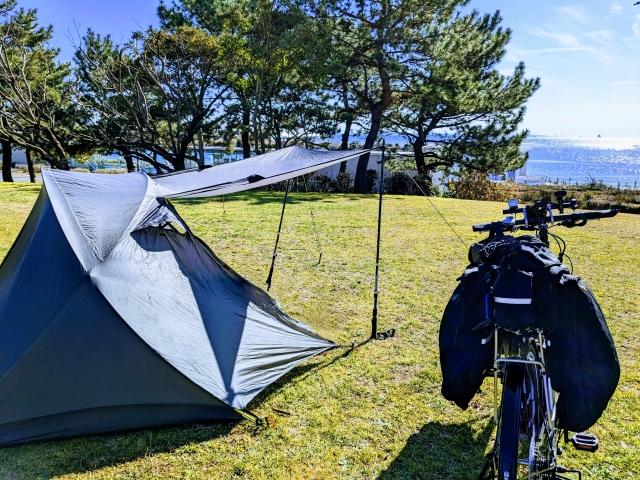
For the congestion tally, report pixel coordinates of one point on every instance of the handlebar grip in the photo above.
(569, 220)
(612, 212)
(482, 227)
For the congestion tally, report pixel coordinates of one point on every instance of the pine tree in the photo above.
(454, 96)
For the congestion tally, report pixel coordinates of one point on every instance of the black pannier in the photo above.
(518, 283)
(463, 357)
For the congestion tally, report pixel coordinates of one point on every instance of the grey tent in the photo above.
(114, 316)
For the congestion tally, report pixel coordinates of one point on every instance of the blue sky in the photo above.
(116, 17)
(586, 53)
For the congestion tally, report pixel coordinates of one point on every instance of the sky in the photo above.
(587, 54)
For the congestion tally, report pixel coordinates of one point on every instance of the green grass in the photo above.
(376, 412)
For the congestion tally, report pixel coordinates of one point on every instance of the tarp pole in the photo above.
(275, 249)
(374, 319)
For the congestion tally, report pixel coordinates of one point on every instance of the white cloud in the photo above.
(633, 41)
(565, 39)
(555, 50)
(602, 36)
(625, 83)
(576, 12)
(616, 7)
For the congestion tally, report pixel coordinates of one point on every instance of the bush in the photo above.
(320, 184)
(305, 183)
(398, 184)
(599, 204)
(343, 183)
(37, 168)
(603, 204)
(630, 208)
(102, 170)
(372, 180)
(477, 186)
(588, 195)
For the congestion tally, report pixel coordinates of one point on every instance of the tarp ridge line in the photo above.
(267, 180)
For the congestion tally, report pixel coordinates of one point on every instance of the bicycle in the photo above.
(527, 432)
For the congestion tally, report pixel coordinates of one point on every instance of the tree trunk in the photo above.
(246, 123)
(419, 156)
(201, 148)
(155, 159)
(128, 158)
(278, 137)
(360, 182)
(6, 162)
(60, 164)
(256, 133)
(32, 172)
(344, 145)
(178, 163)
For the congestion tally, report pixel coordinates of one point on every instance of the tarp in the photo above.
(114, 316)
(253, 172)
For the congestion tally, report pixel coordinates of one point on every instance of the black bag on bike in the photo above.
(463, 358)
(581, 358)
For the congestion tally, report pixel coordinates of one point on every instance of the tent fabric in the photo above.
(251, 173)
(112, 319)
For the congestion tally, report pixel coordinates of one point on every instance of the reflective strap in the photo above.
(513, 301)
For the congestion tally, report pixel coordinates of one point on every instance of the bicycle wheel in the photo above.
(541, 447)
(509, 426)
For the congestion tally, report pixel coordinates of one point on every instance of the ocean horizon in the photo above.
(607, 160)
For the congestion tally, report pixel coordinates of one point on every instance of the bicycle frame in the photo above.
(503, 358)
(534, 396)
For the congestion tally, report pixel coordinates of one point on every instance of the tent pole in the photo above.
(275, 248)
(374, 319)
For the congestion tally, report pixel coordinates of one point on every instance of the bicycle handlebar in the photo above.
(569, 220)
(572, 204)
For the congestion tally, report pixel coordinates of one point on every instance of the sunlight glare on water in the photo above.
(607, 160)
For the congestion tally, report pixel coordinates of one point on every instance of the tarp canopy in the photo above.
(114, 316)
(253, 172)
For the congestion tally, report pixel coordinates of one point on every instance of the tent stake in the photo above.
(374, 319)
(275, 248)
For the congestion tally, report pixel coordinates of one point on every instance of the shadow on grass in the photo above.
(303, 371)
(263, 198)
(86, 454)
(443, 451)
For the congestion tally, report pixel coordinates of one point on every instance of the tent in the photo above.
(114, 316)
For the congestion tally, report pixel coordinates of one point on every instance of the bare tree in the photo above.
(37, 111)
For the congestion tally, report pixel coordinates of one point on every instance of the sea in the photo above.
(552, 159)
(610, 161)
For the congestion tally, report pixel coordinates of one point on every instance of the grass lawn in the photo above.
(376, 412)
